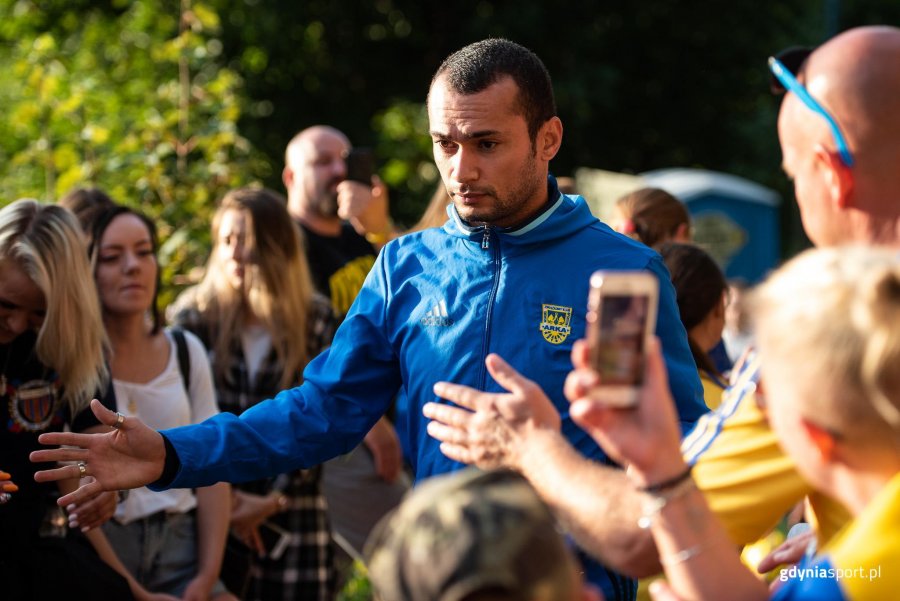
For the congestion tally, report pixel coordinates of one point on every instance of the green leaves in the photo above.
(132, 100)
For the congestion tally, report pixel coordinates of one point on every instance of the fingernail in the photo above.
(73, 523)
(9, 487)
(86, 528)
(70, 507)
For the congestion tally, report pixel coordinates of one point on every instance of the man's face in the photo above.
(799, 134)
(485, 155)
(317, 166)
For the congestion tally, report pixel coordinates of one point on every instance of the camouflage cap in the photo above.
(468, 532)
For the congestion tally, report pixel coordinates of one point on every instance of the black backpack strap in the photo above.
(184, 357)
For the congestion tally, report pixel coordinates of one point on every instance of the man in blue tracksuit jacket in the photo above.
(508, 273)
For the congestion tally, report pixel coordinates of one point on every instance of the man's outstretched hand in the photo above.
(489, 429)
(128, 457)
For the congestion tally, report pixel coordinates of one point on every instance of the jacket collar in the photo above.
(562, 216)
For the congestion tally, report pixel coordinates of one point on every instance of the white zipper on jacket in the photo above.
(486, 340)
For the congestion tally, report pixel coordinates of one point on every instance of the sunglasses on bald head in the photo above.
(784, 67)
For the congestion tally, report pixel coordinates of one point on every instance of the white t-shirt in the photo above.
(257, 344)
(163, 403)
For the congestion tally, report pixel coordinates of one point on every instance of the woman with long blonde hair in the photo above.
(261, 321)
(52, 358)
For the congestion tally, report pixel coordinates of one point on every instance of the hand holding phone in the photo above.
(621, 317)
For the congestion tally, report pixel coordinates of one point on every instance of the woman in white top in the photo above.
(173, 541)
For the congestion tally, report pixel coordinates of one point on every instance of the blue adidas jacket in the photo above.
(432, 308)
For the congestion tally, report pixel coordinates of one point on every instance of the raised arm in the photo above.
(700, 560)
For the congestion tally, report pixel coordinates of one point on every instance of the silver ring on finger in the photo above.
(82, 469)
(4, 497)
(120, 421)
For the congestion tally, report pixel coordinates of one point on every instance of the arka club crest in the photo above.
(555, 323)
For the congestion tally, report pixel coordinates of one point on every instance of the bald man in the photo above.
(848, 188)
(344, 224)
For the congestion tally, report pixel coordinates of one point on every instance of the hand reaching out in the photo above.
(130, 456)
(489, 429)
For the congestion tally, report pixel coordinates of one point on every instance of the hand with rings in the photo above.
(7, 487)
(129, 455)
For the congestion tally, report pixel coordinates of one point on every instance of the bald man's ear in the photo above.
(287, 177)
(549, 139)
(838, 177)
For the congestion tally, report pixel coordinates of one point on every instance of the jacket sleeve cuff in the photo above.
(170, 468)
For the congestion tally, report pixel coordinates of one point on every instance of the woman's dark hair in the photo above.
(473, 68)
(655, 215)
(87, 204)
(699, 286)
(95, 224)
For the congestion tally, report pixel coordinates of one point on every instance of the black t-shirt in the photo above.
(30, 404)
(339, 265)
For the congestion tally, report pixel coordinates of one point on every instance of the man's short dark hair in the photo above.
(472, 69)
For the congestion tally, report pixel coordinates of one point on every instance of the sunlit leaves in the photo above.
(130, 99)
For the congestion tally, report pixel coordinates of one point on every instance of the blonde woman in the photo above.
(256, 311)
(52, 360)
(172, 541)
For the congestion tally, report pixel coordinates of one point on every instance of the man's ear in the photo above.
(549, 139)
(838, 177)
(822, 439)
(287, 177)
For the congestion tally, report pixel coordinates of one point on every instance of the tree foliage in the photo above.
(166, 106)
(640, 85)
(128, 97)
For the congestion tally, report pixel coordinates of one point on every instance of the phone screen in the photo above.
(619, 352)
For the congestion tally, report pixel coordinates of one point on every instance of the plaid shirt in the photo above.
(306, 570)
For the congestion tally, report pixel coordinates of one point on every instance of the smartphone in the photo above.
(621, 318)
(275, 539)
(361, 165)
